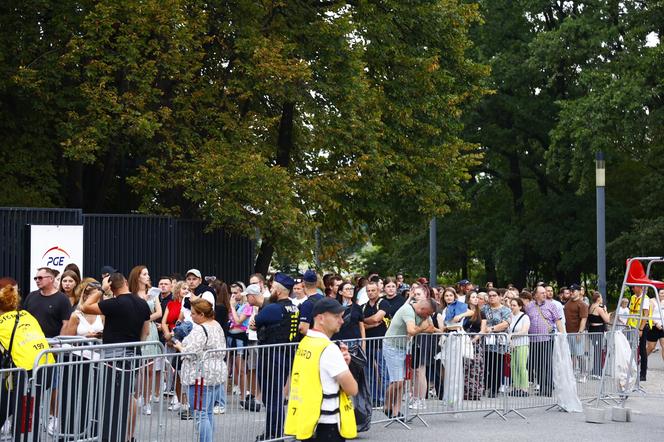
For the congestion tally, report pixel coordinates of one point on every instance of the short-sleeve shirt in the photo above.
(307, 308)
(395, 304)
(332, 364)
(351, 326)
(398, 325)
(245, 309)
(49, 311)
(369, 310)
(125, 316)
(575, 311)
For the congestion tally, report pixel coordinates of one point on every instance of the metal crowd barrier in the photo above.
(98, 392)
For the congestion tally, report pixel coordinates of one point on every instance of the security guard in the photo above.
(276, 323)
(319, 406)
(639, 305)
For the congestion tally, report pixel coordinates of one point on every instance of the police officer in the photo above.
(276, 323)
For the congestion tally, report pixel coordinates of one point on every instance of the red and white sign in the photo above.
(55, 247)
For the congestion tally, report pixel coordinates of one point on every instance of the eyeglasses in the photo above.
(39, 278)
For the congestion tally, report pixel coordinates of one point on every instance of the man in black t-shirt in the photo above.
(127, 319)
(49, 306)
(127, 316)
(376, 318)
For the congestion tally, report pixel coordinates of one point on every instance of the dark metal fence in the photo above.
(166, 245)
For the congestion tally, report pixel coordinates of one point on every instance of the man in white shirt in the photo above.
(558, 304)
(332, 421)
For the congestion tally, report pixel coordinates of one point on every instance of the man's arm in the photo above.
(560, 326)
(375, 319)
(424, 327)
(347, 382)
(146, 330)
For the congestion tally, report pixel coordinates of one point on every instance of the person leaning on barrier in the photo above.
(276, 323)
(410, 320)
(205, 380)
(21, 333)
(319, 406)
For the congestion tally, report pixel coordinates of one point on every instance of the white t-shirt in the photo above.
(561, 310)
(297, 302)
(623, 312)
(656, 318)
(332, 364)
(362, 297)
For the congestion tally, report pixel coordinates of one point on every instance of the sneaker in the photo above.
(236, 390)
(6, 431)
(185, 415)
(642, 378)
(417, 404)
(251, 404)
(218, 409)
(53, 426)
(147, 410)
(155, 399)
(174, 405)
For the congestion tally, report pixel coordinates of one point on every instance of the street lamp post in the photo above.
(433, 252)
(600, 185)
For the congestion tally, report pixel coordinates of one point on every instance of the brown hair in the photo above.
(202, 307)
(49, 270)
(74, 268)
(116, 280)
(595, 296)
(525, 294)
(76, 279)
(8, 295)
(133, 280)
(84, 288)
(519, 302)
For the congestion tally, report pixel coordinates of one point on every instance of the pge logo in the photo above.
(56, 257)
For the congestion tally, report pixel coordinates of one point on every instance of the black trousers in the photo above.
(643, 354)
(493, 372)
(540, 364)
(327, 433)
(273, 369)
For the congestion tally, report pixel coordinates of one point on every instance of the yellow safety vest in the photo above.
(29, 339)
(306, 394)
(635, 309)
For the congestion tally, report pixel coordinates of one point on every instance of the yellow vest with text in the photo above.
(635, 309)
(29, 339)
(306, 394)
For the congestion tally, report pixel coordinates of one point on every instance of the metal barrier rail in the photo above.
(115, 392)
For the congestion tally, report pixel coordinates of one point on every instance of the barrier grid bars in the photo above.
(93, 391)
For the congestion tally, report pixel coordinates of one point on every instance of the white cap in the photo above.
(195, 272)
(209, 297)
(252, 289)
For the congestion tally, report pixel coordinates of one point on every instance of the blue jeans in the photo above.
(378, 379)
(201, 401)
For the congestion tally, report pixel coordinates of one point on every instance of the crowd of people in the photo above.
(498, 340)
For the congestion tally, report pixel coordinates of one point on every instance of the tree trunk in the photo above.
(264, 257)
(283, 159)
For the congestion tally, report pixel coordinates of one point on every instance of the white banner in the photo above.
(55, 247)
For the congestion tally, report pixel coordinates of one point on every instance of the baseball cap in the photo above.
(195, 272)
(108, 269)
(575, 287)
(252, 289)
(309, 276)
(463, 282)
(209, 297)
(326, 305)
(285, 280)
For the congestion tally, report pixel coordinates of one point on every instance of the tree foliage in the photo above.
(270, 117)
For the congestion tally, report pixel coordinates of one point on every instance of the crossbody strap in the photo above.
(548, 327)
(11, 340)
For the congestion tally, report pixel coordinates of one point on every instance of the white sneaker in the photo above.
(6, 431)
(218, 409)
(53, 427)
(147, 410)
(236, 390)
(174, 405)
(417, 404)
(155, 399)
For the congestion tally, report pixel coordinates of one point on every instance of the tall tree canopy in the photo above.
(570, 78)
(276, 117)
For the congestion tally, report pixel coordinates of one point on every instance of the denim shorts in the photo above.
(238, 341)
(395, 361)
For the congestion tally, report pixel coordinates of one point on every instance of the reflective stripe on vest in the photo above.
(306, 394)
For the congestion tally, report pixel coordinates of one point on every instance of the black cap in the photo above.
(108, 269)
(575, 287)
(326, 305)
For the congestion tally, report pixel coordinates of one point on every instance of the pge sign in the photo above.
(55, 247)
